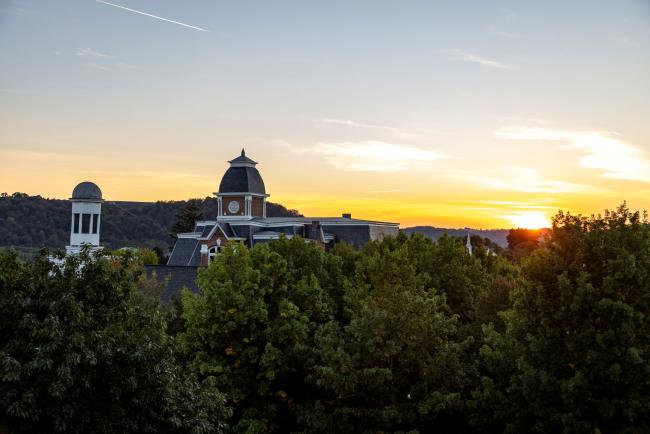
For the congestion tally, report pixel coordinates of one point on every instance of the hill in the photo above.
(29, 222)
(499, 236)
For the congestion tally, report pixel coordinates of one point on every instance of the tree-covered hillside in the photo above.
(34, 221)
(498, 236)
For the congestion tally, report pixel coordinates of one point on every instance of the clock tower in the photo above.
(241, 194)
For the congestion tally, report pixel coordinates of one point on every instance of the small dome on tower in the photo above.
(87, 190)
(242, 177)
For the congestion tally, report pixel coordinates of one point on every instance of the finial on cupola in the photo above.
(243, 153)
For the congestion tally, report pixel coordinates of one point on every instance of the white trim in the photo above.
(213, 230)
(188, 235)
(271, 237)
(241, 193)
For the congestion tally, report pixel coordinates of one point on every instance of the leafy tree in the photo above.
(397, 364)
(521, 242)
(575, 355)
(186, 218)
(250, 329)
(82, 349)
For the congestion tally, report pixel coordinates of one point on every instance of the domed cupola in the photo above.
(87, 191)
(242, 194)
(242, 177)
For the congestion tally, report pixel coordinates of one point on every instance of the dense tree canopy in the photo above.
(83, 349)
(405, 335)
(575, 355)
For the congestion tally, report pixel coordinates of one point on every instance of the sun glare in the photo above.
(529, 220)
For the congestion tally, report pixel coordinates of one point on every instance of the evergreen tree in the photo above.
(186, 218)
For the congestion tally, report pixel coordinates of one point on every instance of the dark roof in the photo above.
(186, 252)
(86, 190)
(176, 279)
(206, 230)
(243, 159)
(241, 179)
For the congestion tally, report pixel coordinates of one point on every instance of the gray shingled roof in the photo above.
(242, 179)
(86, 190)
(186, 252)
(176, 278)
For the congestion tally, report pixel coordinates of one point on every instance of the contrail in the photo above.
(152, 16)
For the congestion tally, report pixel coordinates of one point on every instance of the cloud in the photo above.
(89, 52)
(473, 58)
(615, 158)
(98, 67)
(352, 124)
(152, 16)
(374, 156)
(394, 190)
(625, 40)
(527, 180)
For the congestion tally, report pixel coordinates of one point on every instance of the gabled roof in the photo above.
(186, 252)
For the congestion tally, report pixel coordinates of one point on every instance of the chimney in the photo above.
(347, 215)
(314, 230)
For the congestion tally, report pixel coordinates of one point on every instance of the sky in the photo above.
(452, 114)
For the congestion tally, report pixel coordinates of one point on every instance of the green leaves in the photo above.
(579, 332)
(82, 349)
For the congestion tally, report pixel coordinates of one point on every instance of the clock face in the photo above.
(233, 206)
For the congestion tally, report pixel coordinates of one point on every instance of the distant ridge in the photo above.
(498, 236)
(34, 221)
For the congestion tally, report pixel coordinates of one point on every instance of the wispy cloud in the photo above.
(473, 58)
(89, 52)
(97, 66)
(152, 16)
(375, 156)
(527, 180)
(353, 124)
(625, 40)
(614, 157)
(393, 190)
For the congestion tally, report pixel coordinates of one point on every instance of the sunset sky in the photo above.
(465, 113)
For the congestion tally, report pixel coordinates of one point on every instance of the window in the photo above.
(213, 252)
(95, 222)
(85, 223)
(76, 223)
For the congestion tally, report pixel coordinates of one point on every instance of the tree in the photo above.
(186, 218)
(250, 329)
(521, 242)
(83, 349)
(396, 364)
(575, 356)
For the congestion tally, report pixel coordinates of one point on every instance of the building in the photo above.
(85, 223)
(242, 218)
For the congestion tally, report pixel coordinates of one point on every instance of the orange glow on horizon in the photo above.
(529, 220)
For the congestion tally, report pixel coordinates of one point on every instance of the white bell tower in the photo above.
(86, 218)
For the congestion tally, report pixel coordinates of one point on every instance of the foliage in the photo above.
(186, 218)
(83, 349)
(142, 255)
(575, 355)
(407, 334)
(522, 242)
